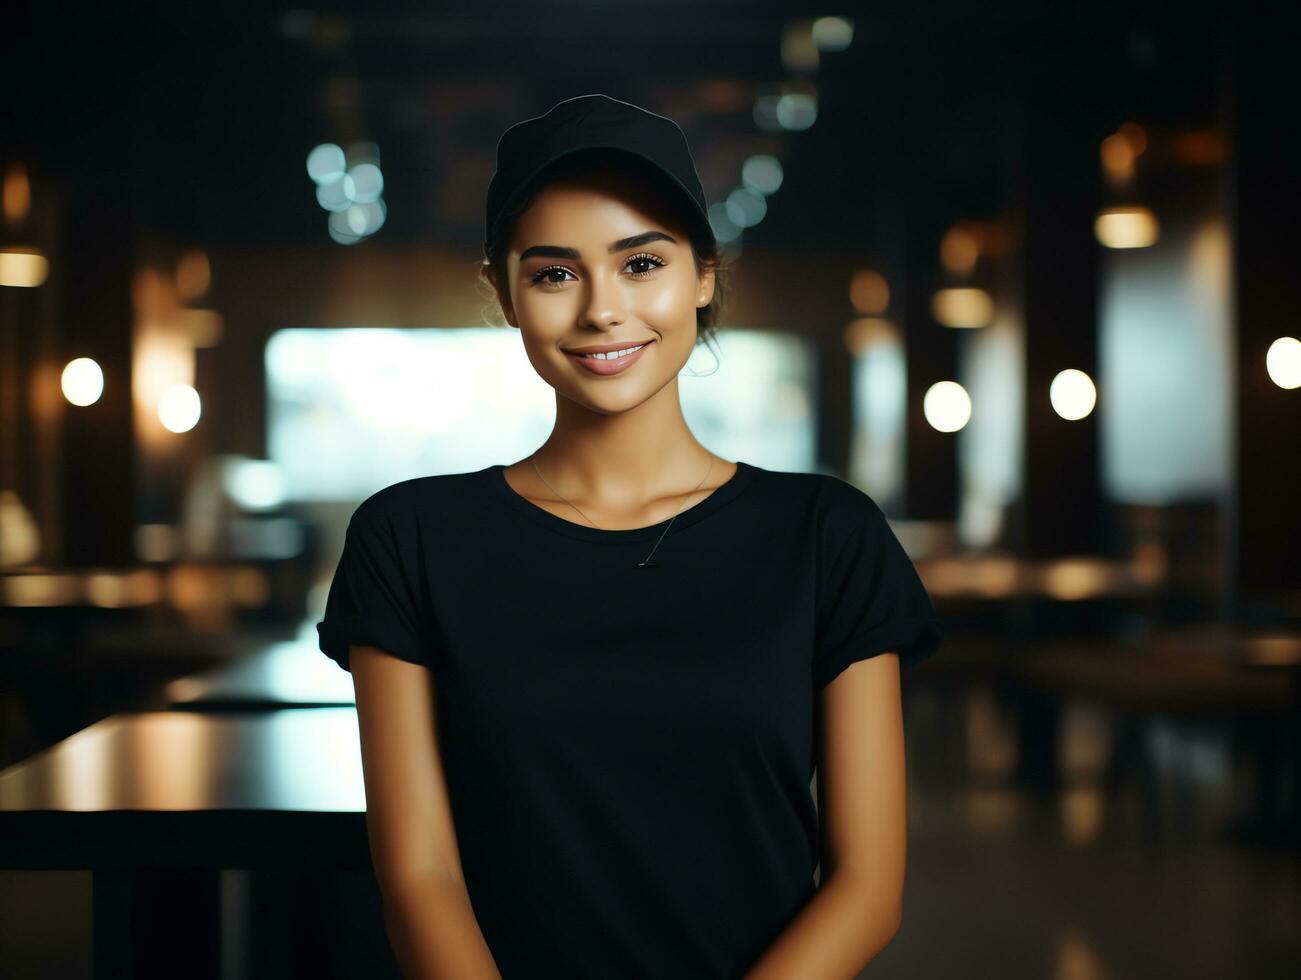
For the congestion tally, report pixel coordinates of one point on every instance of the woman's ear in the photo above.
(503, 296)
(507, 310)
(705, 291)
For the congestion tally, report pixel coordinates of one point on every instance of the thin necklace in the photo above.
(645, 562)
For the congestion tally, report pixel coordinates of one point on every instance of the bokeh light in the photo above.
(179, 408)
(23, 267)
(869, 292)
(82, 381)
(193, 275)
(17, 194)
(1072, 394)
(797, 110)
(833, 33)
(962, 308)
(762, 173)
(947, 406)
(326, 164)
(254, 484)
(745, 208)
(725, 229)
(1130, 226)
(363, 183)
(1283, 362)
(960, 250)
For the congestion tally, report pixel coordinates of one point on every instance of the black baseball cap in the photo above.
(588, 122)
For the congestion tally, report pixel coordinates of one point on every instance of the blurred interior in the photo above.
(1027, 279)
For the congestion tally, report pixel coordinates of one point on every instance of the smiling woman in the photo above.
(634, 176)
(608, 358)
(613, 776)
(608, 257)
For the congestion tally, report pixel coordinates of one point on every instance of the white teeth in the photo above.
(615, 353)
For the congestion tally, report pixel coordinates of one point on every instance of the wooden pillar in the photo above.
(930, 355)
(1265, 215)
(1060, 510)
(98, 466)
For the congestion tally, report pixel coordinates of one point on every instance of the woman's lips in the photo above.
(617, 366)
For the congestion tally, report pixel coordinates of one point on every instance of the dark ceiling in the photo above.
(202, 121)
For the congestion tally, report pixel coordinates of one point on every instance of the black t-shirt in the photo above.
(629, 751)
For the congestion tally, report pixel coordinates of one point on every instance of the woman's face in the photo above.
(594, 264)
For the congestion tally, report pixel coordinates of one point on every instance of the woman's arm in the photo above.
(858, 906)
(427, 911)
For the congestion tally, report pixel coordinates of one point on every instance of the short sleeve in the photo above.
(374, 598)
(870, 597)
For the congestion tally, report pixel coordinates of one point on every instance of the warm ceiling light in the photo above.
(1135, 135)
(82, 381)
(1072, 394)
(963, 307)
(960, 249)
(869, 292)
(23, 267)
(1283, 362)
(1132, 226)
(193, 275)
(946, 406)
(1118, 159)
(17, 194)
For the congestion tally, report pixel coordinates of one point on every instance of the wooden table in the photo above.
(156, 804)
(1186, 674)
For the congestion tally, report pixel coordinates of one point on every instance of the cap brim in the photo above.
(524, 185)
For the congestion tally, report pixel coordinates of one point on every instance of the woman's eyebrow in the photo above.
(563, 252)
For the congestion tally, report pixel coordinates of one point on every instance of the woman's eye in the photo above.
(653, 261)
(642, 265)
(541, 274)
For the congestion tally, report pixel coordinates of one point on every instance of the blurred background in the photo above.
(1025, 276)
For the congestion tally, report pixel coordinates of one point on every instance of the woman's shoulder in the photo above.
(821, 490)
(416, 496)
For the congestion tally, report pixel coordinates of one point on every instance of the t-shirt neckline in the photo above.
(496, 478)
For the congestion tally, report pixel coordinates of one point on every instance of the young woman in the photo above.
(593, 685)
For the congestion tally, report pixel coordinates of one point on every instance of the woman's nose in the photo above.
(605, 302)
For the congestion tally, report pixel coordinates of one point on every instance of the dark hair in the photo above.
(704, 246)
